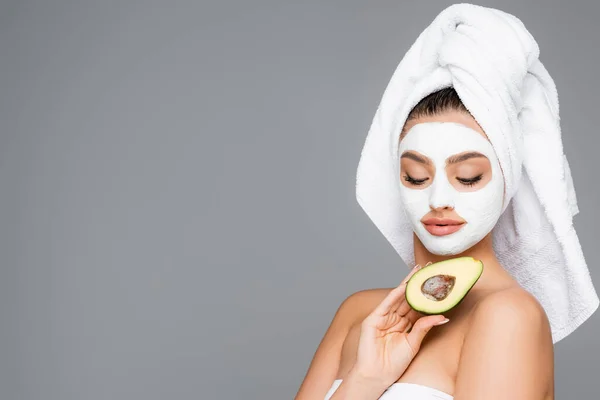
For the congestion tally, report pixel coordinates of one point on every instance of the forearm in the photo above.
(357, 386)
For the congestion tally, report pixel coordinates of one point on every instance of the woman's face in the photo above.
(451, 183)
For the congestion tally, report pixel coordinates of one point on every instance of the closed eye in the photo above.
(414, 181)
(470, 181)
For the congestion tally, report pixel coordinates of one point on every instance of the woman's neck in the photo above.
(494, 275)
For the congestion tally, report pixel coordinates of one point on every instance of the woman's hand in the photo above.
(387, 344)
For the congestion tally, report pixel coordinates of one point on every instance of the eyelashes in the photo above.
(413, 181)
(470, 181)
(464, 181)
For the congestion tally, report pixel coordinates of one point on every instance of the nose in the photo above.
(442, 194)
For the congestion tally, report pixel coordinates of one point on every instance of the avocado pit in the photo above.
(438, 287)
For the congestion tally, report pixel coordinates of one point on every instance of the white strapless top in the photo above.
(402, 390)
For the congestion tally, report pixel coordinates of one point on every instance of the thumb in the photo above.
(420, 329)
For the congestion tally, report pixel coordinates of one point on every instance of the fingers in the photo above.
(391, 301)
(404, 308)
(394, 299)
(411, 273)
(413, 315)
(403, 325)
(420, 329)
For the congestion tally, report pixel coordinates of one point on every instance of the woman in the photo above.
(485, 154)
(494, 314)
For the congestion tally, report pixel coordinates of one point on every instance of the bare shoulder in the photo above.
(511, 306)
(325, 364)
(366, 301)
(513, 310)
(357, 305)
(508, 344)
(363, 302)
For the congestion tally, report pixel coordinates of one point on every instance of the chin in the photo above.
(444, 252)
(448, 245)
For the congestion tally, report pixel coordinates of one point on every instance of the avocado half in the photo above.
(441, 286)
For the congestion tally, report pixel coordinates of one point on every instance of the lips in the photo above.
(442, 226)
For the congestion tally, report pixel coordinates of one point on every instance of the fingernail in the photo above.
(417, 266)
(442, 322)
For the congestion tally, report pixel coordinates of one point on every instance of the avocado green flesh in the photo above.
(441, 286)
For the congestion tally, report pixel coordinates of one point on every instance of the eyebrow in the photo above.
(463, 157)
(416, 157)
(452, 160)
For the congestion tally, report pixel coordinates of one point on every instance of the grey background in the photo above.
(177, 217)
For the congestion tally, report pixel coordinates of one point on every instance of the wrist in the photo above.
(368, 380)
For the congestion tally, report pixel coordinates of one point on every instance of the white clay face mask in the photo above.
(480, 208)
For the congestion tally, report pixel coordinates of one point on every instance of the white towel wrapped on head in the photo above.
(492, 62)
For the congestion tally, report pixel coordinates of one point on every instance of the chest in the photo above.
(436, 363)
